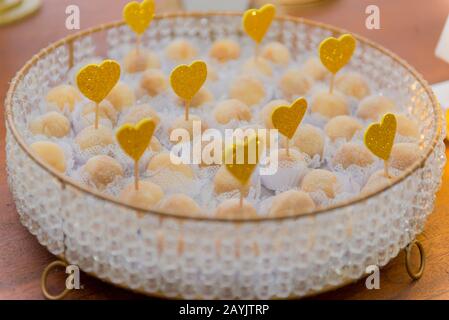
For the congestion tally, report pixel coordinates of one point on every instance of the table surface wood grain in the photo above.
(409, 28)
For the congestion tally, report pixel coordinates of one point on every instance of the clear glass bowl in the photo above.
(163, 255)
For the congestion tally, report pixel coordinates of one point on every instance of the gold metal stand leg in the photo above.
(44, 277)
(415, 275)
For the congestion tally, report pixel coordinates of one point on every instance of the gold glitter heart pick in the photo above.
(134, 140)
(186, 80)
(242, 158)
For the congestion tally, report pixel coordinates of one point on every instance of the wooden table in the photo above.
(408, 27)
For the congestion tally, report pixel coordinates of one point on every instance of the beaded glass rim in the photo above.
(336, 31)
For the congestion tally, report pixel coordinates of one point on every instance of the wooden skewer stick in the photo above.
(138, 44)
(136, 175)
(287, 146)
(241, 198)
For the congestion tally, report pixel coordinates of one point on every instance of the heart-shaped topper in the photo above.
(134, 140)
(256, 22)
(96, 81)
(186, 80)
(379, 137)
(242, 158)
(138, 16)
(336, 53)
(287, 118)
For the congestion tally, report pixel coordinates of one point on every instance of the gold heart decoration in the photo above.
(96, 81)
(336, 53)
(134, 140)
(242, 158)
(138, 16)
(256, 22)
(186, 80)
(287, 118)
(379, 137)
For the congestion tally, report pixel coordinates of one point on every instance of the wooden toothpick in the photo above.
(97, 116)
(136, 175)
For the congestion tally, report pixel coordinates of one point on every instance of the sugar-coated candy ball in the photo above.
(231, 109)
(330, 105)
(51, 124)
(105, 110)
(353, 154)
(141, 60)
(102, 170)
(203, 96)
(153, 82)
(377, 181)
(139, 112)
(225, 50)
(182, 123)
(407, 127)
(147, 196)
(268, 109)
(162, 161)
(90, 137)
(247, 89)
(295, 83)
(404, 155)
(258, 65)
(51, 153)
(121, 96)
(320, 180)
(291, 202)
(180, 204)
(353, 84)
(181, 50)
(231, 209)
(225, 182)
(315, 69)
(374, 107)
(309, 139)
(277, 53)
(342, 127)
(63, 97)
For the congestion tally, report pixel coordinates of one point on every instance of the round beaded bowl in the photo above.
(170, 256)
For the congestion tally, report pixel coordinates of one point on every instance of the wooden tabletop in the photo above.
(408, 27)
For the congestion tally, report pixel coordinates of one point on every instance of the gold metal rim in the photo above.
(44, 278)
(78, 186)
(415, 275)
